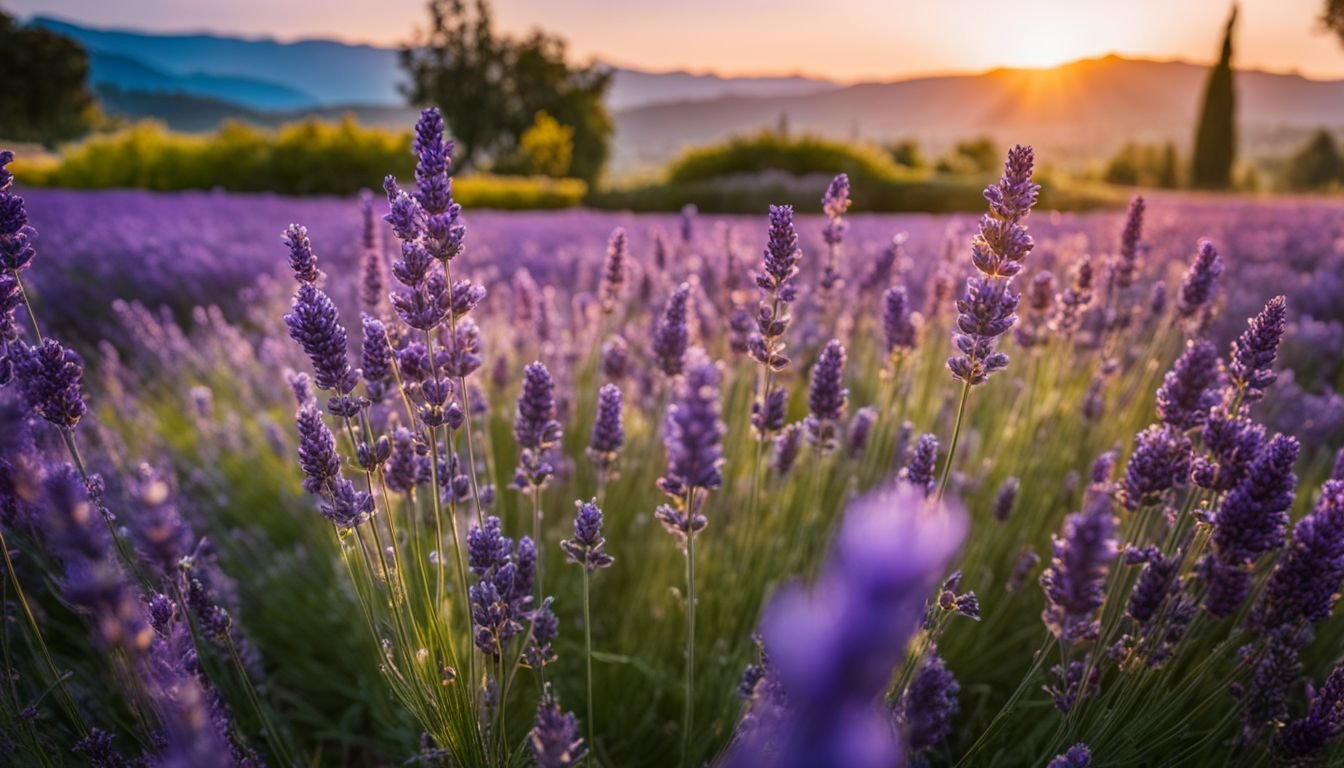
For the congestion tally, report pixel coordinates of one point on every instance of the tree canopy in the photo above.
(491, 87)
(1216, 137)
(46, 97)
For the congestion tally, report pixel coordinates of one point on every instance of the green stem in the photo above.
(956, 436)
(690, 627)
(588, 659)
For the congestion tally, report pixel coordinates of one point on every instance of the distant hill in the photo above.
(266, 74)
(128, 74)
(1075, 110)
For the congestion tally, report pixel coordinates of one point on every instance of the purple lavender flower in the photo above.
(1190, 388)
(1160, 462)
(49, 378)
(985, 313)
(859, 428)
(672, 334)
(925, 710)
(555, 738)
(1250, 521)
(1156, 581)
(1077, 756)
(693, 431)
(1306, 581)
(373, 266)
(98, 748)
(897, 322)
(535, 427)
(1130, 247)
(301, 258)
(545, 628)
(613, 273)
(16, 237)
(588, 547)
(433, 159)
(787, 445)
(1324, 721)
(488, 549)
(1200, 282)
(615, 358)
(315, 325)
(782, 254)
(770, 412)
(376, 356)
(1074, 583)
(780, 260)
(1074, 300)
(827, 395)
(835, 203)
(608, 433)
(1231, 443)
(1157, 300)
(347, 507)
(1279, 669)
(832, 649)
(1252, 367)
(1006, 498)
(920, 470)
(1040, 303)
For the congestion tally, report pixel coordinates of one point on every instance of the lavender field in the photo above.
(382, 481)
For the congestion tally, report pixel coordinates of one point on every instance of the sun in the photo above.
(1047, 40)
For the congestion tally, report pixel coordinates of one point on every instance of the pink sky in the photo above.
(846, 39)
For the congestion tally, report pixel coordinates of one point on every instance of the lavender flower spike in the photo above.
(1324, 722)
(925, 711)
(827, 396)
(1190, 388)
(1200, 281)
(588, 547)
(672, 334)
(613, 273)
(301, 258)
(920, 470)
(608, 433)
(315, 324)
(693, 432)
(898, 323)
(1253, 353)
(1074, 583)
(535, 426)
(555, 738)
(1077, 756)
(1306, 582)
(49, 377)
(833, 648)
(1127, 266)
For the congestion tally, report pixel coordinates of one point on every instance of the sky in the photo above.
(841, 39)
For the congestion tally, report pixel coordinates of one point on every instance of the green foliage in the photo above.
(1216, 136)
(1316, 166)
(904, 194)
(1144, 165)
(1332, 17)
(545, 149)
(490, 87)
(771, 151)
(972, 156)
(907, 153)
(45, 97)
(307, 158)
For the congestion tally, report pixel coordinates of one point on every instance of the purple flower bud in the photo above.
(920, 470)
(1160, 462)
(693, 431)
(1310, 734)
(835, 203)
(301, 258)
(1306, 581)
(781, 253)
(859, 428)
(317, 452)
(555, 738)
(1075, 581)
(1200, 280)
(897, 322)
(315, 325)
(49, 378)
(1190, 388)
(1077, 756)
(613, 272)
(348, 507)
(608, 432)
(1253, 516)
(535, 426)
(1157, 302)
(924, 712)
(376, 357)
(1127, 265)
(1253, 353)
(827, 395)
(672, 334)
(615, 358)
(787, 445)
(587, 547)
(1006, 498)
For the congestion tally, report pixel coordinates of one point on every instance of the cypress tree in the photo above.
(1216, 137)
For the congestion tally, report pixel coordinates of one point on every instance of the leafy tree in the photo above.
(46, 96)
(907, 153)
(490, 87)
(1145, 165)
(1216, 136)
(972, 156)
(1332, 18)
(1317, 165)
(1169, 174)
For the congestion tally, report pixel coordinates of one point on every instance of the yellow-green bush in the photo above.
(311, 157)
(772, 151)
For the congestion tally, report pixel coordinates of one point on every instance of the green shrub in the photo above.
(772, 151)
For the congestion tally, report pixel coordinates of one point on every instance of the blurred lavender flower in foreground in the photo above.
(555, 738)
(833, 648)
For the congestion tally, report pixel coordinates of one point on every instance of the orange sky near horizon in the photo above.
(842, 39)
